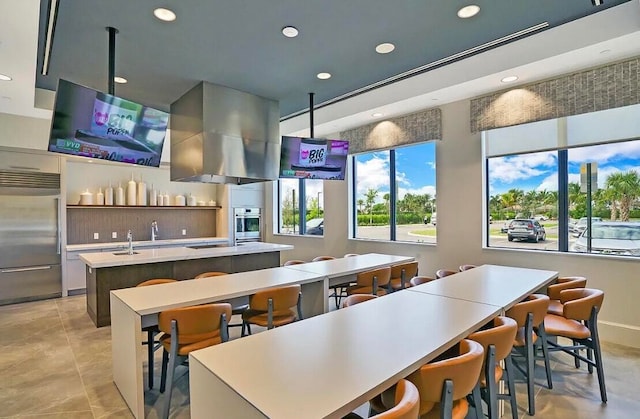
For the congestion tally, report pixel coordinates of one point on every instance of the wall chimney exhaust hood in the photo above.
(222, 135)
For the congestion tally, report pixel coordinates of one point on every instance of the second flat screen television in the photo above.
(313, 158)
(94, 124)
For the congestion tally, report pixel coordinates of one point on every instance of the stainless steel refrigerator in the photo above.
(29, 236)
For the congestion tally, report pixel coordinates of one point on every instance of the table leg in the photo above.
(127, 355)
(315, 298)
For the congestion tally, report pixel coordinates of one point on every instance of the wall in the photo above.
(460, 238)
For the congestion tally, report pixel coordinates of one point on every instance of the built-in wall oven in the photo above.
(248, 224)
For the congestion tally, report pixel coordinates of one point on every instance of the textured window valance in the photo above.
(413, 128)
(600, 88)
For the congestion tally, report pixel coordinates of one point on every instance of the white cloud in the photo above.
(605, 152)
(373, 174)
(525, 166)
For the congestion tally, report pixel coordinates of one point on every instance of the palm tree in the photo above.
(386, 198)
(360, 205)
(575, 196)
(625, 188)
(370, 198)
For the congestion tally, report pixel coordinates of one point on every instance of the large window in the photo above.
(301, 206)
(394, 194)
(582, 196)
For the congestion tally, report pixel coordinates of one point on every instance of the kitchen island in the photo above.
(108, 271)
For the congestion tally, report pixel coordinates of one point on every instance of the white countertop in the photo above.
(145, 243)
(168, 254)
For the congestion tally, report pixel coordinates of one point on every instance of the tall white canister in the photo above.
(132, 195)
(142, 192)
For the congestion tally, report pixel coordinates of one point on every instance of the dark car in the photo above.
(315, 226)
(527, 229)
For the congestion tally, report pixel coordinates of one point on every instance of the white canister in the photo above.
(180, 200)
(160, 199)
(132, 195)
(191, 201)
(141, 199)
(120, 195)
(100, 197)
(86, 198)
(212, 203)
(153, 196)
(313, 153)
(108, 195)
(166, 199)
(201, 203)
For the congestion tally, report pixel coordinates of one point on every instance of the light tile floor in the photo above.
(56, 364)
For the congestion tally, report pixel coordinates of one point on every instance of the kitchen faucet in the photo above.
(154, 230)
(130, 238)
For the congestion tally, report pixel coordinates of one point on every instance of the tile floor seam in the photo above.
(75, 360)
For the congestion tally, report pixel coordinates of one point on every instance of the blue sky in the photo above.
(415, 170)
(538, 171)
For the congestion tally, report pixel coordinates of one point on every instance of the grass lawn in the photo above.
(551, 228)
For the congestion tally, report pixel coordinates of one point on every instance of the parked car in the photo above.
(581, 225)
(430, 219)
(540, 217)
(527, 229)
(611, 238)
(315, 226)
(433, 219)
(505, 226)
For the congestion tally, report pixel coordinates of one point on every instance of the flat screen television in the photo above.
(94, 124)
(313, 158)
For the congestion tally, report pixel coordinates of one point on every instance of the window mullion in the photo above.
(392, 195)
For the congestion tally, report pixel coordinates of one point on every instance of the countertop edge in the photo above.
(144, 243)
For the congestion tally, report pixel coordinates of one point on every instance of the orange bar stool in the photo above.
(375, 281)
(418, 280)
(563, 283)
(188, 329)
(579, 322)
(497, 339)
(401, 274)
(404, 403)
(235, 310)
(357, 299)
(445, 383)
(530, 315)
(152, 331)
(441, 273)
(272, 307)
(294, 262)
(463, 268)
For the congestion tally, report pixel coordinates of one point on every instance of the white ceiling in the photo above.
(573, 46)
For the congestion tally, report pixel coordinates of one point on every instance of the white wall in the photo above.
(460, 228)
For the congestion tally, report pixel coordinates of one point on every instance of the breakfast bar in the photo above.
(107, 271)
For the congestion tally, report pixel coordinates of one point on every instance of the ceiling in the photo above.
(239, 44)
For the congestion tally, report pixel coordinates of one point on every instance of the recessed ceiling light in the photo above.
(164, 14)
(377, 114)
(120, 80)
(290, 31)
(509, 79)
(324, 76)
(4, 77)
(468, 11)
(385, 48)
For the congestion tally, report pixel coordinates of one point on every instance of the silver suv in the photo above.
(581, 225)
(526, 228)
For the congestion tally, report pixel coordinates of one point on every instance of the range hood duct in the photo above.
(222, 135)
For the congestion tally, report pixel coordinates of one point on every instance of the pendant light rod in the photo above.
(112, 59)
(311, 114)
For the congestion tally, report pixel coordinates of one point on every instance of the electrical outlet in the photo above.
(114, 234)
(96, 236)
(184, 231)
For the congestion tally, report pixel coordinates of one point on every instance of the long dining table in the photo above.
(327, 366)
(134, 308)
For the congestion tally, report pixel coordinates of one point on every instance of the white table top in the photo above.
(330, 364)
(501, 286)
(351, 265)
(167, 254)
(150, 300)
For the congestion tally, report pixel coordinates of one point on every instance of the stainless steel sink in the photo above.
(125, 253)
(208, 246)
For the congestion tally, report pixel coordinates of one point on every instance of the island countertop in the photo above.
(168, 254)
(145, 243)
